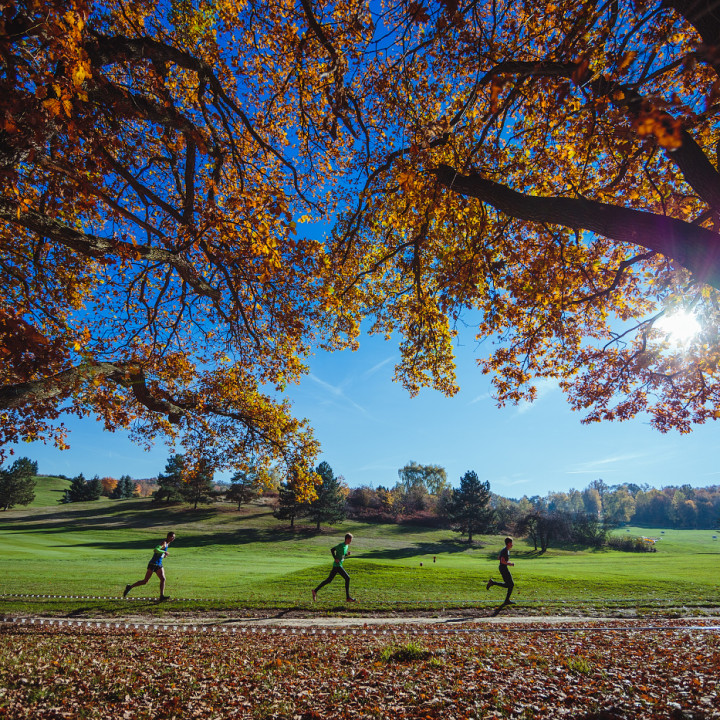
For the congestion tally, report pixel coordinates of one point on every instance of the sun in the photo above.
(680, 327)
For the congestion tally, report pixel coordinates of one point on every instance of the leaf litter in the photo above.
(591, 673)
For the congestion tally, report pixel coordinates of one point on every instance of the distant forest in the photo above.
(424, 496)
(672, 507)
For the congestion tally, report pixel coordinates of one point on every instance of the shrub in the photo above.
(631, 544)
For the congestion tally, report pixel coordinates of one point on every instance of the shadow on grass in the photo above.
(409, 528)
(421, 548)
(239, 536)
(125, 515)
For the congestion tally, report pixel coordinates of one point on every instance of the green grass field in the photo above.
(248, 559)
(49, 490)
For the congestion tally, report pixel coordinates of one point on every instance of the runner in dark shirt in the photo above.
(508, 583)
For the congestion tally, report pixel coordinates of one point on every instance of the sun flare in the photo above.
(680, 327)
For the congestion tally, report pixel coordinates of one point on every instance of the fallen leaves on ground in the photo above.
(593, 674)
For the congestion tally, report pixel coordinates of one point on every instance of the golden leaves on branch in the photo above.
(666, 129)
(174, 160)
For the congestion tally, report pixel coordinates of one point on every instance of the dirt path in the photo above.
(448, 621)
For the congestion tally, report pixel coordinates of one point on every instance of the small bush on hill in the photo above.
(631, 544)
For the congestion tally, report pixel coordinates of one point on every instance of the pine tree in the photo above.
(468, 511)
(243, 488)
(288, 506)
(329, 506)
(17, 484)
(80, 490)
(125, 489)
(93, 489)
(170, 483)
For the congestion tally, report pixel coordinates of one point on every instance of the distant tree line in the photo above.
(82, 490)
(422, 495)
(682, 507)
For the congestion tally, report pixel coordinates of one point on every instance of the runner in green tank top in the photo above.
(339, 553)
(155, 566)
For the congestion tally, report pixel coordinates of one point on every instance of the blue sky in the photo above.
(369, 428)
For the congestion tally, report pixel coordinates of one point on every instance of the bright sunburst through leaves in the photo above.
(680, 327)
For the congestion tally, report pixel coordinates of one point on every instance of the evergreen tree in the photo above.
(329, 506)
(93, 489)
(288, 506)
(131, 488)
(17, 483)
(81, 490)
(125, 489)
(468, 510)
(243, 488)
(171, 481)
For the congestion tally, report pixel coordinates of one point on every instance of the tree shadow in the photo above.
(421, 548)
(239, 536)
(124, 515)
(411, 529)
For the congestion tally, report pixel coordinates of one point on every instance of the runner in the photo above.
(339, 553)
(507, 577)
(155, 566)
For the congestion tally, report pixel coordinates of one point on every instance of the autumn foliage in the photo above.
(551, 167)
(153, 273)
(544, 170)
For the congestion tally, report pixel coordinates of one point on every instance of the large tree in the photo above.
(154, 165)
(550, 166)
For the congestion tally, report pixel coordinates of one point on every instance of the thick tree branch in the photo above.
(127, 375)
(63, 383)
(695, 248)
(99, 247)
(689, 157)
(106, 50)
